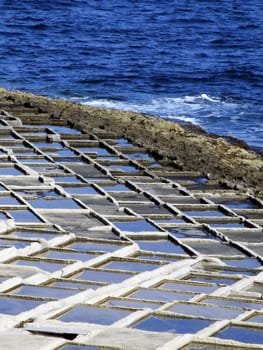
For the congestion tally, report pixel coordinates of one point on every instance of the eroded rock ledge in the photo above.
(235, 165)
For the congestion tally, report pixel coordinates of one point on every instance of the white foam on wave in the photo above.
(183, 118)
(168, 108)
(209, 98)
(193, 109)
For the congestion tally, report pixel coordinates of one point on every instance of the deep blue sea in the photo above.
(194, 60)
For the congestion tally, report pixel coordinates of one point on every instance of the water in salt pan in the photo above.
(93, 314)
(242, 334)
(172, 324)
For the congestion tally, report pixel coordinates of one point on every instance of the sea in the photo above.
(198, 61)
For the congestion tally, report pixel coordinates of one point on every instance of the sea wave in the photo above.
(187, 108)
(223, 116)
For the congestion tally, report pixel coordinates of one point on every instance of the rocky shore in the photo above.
(186, 148)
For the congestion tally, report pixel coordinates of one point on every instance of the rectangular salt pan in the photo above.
(47, 292)
(97, 275)
(160, 295)
(205, 311)
(135, 226)
(173, 325)
(24, 216)
(162, 246)
(242, 334)
(14, 305)
(92, 314)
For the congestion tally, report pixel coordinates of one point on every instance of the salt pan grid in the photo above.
(103, 246)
